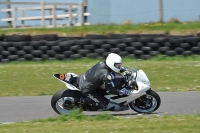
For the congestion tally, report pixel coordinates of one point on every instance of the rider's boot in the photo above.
(88, 103)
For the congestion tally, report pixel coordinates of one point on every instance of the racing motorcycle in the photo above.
(142, 98)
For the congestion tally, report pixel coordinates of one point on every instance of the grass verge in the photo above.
(78, 123)
(36, 78)
(173, 27)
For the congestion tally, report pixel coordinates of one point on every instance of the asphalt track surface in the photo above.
(26, 108)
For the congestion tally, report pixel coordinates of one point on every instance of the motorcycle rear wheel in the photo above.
(64, 101)
(147, 103)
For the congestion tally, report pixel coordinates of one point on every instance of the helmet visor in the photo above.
(118, 65)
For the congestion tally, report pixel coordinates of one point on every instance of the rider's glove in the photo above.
(124, 92)
(123, 69)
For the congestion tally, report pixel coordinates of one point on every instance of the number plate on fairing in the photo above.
(62, 77)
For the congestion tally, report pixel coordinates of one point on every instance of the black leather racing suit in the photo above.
(98, 75)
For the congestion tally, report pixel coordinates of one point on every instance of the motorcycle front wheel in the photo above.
(65, 101)
(147, 103)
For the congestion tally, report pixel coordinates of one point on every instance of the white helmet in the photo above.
(114, 62)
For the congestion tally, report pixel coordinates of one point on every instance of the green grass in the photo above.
(173, 27)
(78, 123)
(36, 78)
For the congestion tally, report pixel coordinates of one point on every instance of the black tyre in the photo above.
(51, 43)
(68, 53)
(171, 53)
(66, 43)
(51, 52)
(21, 53)
(28, 56)
(17, 38)
(193, 39)
(195, 49)
(153, 45)
(47, 37)
(56, 48)
(13, 57)
(104, 55)
(93, 36)
(137, 44)
(121, 45)
(187, 53)
(5, 53)
(146, 49)
(163, 49)
(37, 52)
(28, 48)
(138, 52)
(37, 43)
(114, 41)
(154, 53)
(75, 56)
(99, 51)
(37, 59)
(57, 101)
(129, 40)
(83, 51)
(123, 53)
(60, 56)
(122, 36)
(145, 39)
(20, 45)
(198, 44)
(12, 49)
(129, 49)
(45, 56)
(177, 40)
(185, 46)
(92, 55)
(75, 48)
(6, 44)
(4, 60)
(145, 57)
(160, 39)
(106, 46)
(43, 48)
(115, 50)
(89, 47)
(1, 48)
(179, 50)
(147, 103)
(97, 42)
(82, 42)
(1, 38)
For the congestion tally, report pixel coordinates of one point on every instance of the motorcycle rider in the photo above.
(99, 75)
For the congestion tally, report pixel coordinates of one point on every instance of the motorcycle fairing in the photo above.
(64, 78)
(142, 88)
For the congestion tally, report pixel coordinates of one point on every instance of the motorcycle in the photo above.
(142, 98)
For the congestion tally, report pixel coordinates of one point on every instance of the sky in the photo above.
(137, 11)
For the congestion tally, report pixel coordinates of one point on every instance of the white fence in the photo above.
(52, 16)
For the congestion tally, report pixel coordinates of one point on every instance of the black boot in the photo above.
(88, 104)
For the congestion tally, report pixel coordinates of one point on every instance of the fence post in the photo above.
(8, 13)
(161, 10)
(43, 13)
(22, 15)
(54, 16)
(70, 14)
(81, 13)
(50, 13)
(14, 17)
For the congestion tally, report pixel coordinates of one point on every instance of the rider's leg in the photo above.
(95, 99)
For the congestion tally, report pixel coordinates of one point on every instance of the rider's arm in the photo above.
(109, 85)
